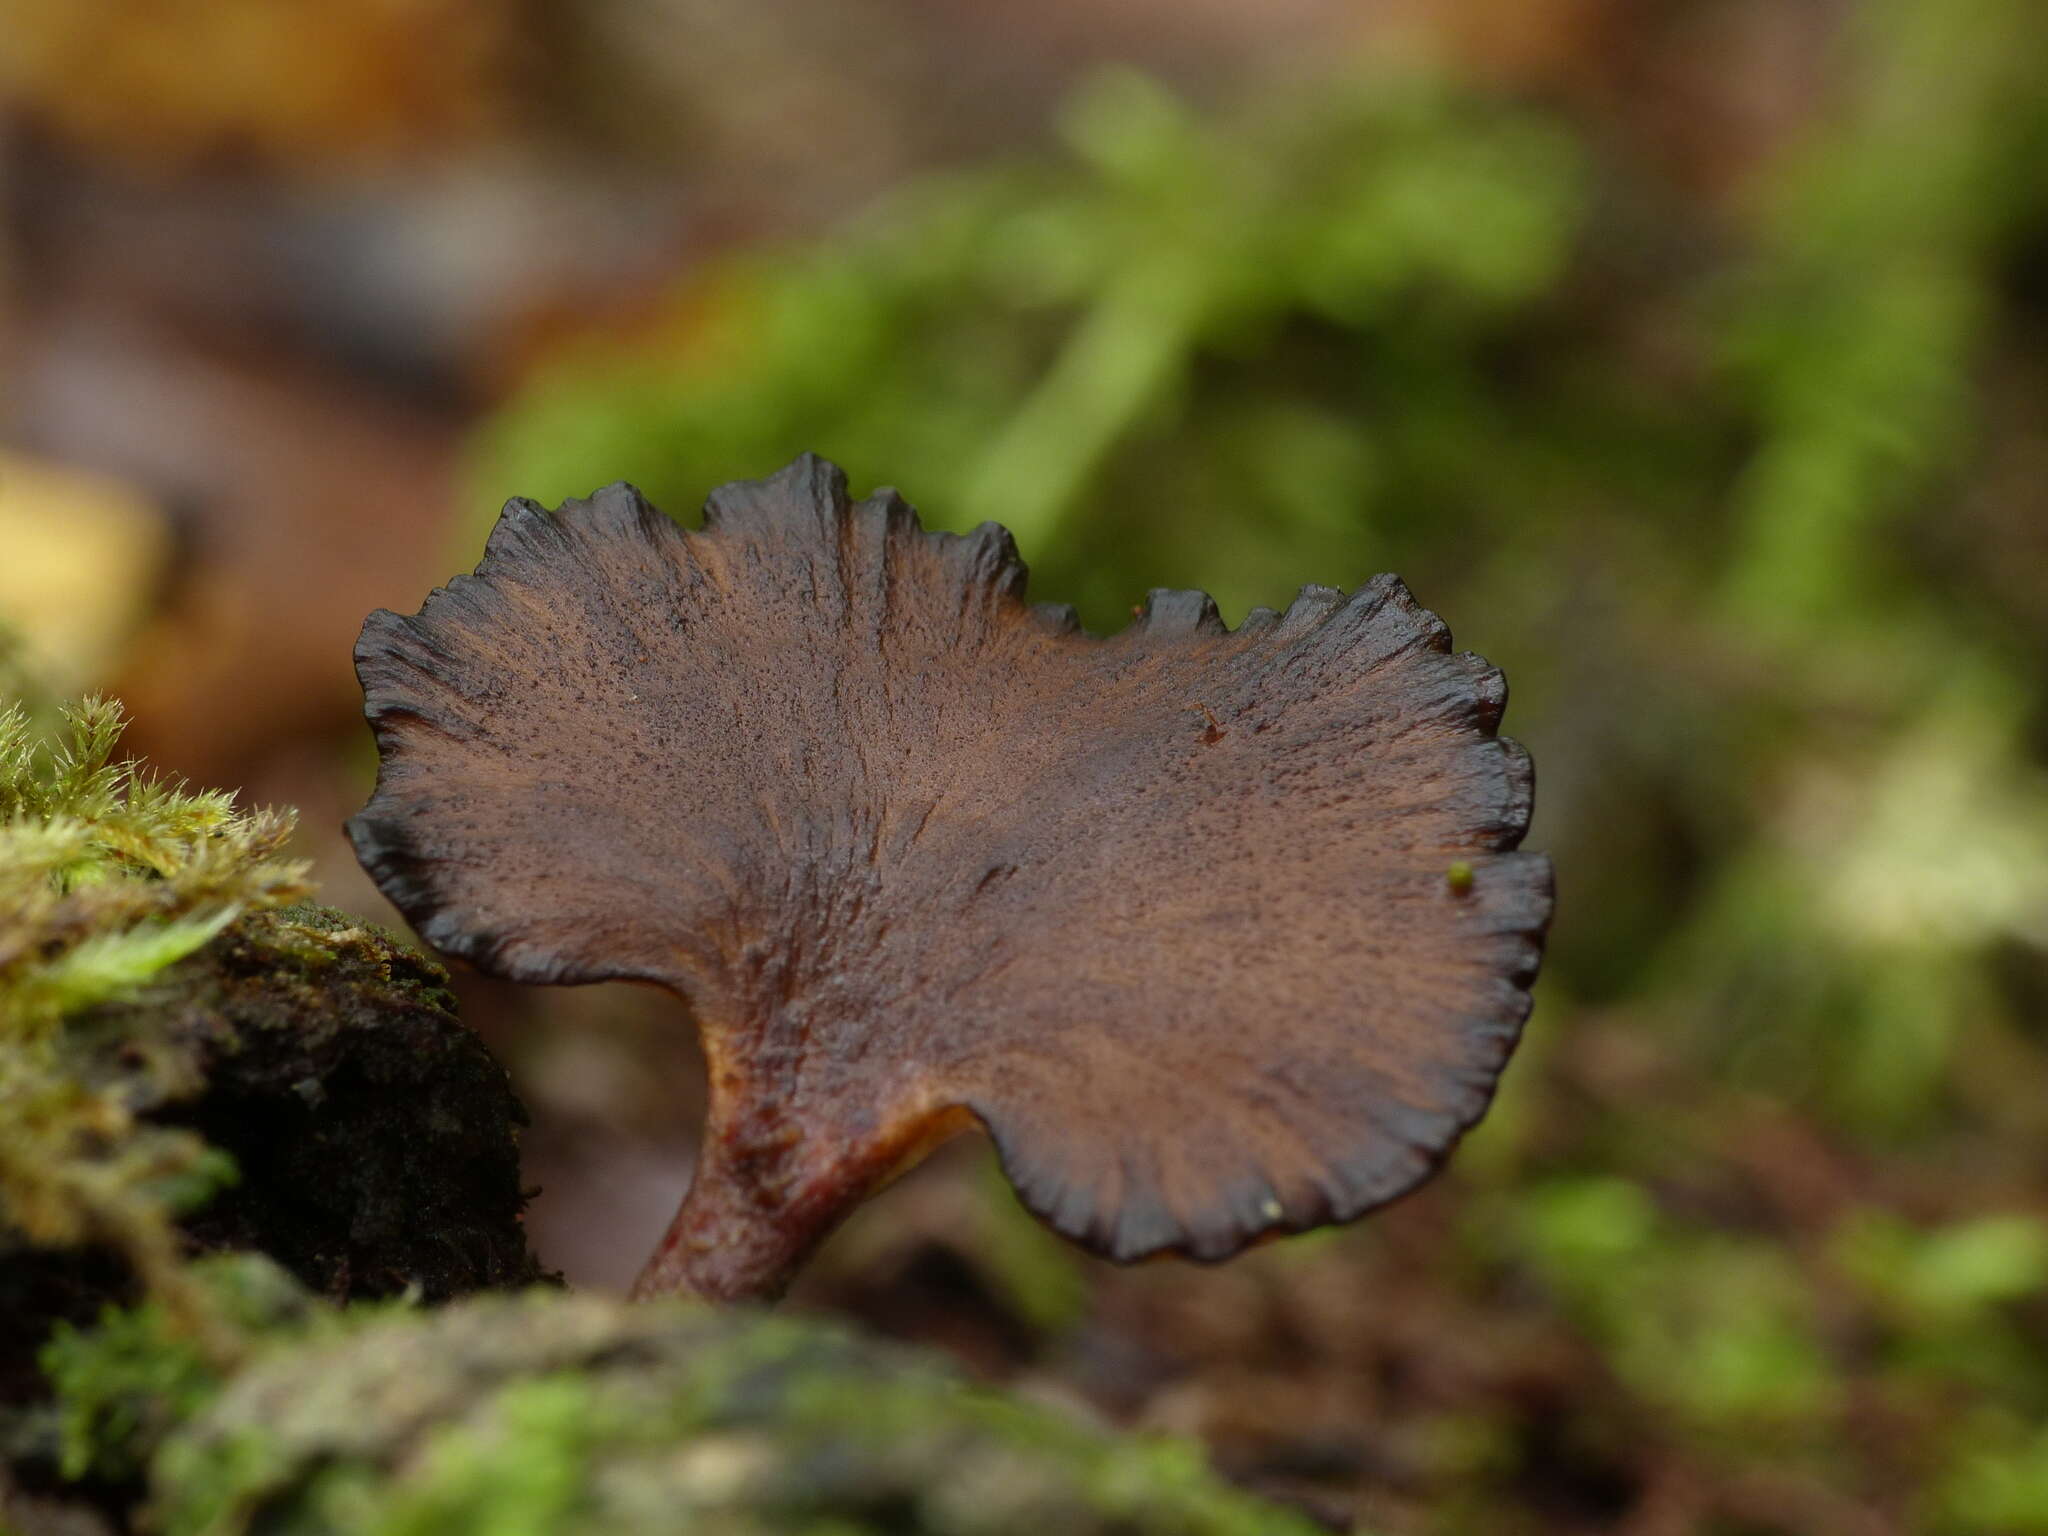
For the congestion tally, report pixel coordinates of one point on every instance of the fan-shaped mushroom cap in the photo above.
(1172, 913)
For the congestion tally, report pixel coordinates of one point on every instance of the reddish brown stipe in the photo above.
(1167, 911)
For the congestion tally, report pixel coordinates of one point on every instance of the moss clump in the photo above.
(128, 1382)
(185, 1060)
(107, 877)
(546, 1412)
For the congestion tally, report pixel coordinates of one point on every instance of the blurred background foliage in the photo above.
(1691, 358)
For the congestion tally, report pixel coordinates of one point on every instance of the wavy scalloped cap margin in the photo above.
(1218, 932)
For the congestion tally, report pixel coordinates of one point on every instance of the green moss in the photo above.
(121, 1386)
(107, 878)
(547, 1412)
(107, 875)
(187, 1062)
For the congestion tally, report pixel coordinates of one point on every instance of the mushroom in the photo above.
(1219, 933)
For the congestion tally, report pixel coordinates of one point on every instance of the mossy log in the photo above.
(373, 1137)
(550, 1412)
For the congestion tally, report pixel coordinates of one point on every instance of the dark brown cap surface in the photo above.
(1170, 912)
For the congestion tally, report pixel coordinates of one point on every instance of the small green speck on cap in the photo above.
(1459, 877)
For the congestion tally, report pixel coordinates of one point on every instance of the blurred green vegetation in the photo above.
(1747, 501)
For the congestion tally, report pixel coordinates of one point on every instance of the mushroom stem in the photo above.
(726, 1243)
(764, 1196)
